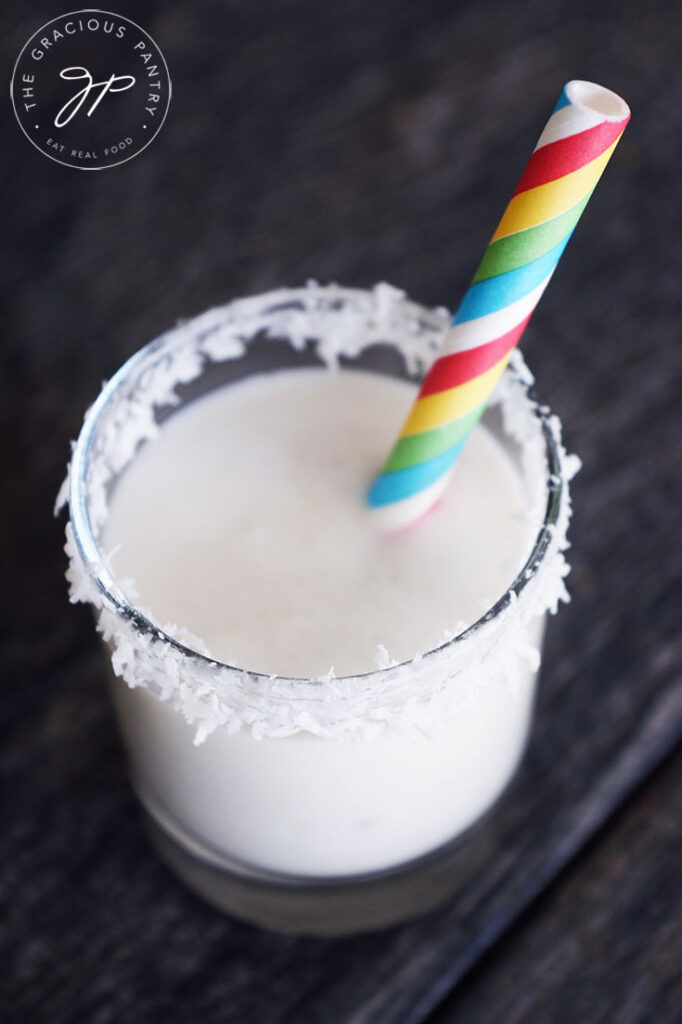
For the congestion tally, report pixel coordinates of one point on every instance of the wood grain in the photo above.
(349, 142)
(604, 944)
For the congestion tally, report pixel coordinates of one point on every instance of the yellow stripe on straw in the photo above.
(539, 204)
(445, 406)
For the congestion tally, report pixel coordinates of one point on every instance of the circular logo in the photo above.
(91, 89)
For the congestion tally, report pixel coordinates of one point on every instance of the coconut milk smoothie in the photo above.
(281, 572)
(302, 693)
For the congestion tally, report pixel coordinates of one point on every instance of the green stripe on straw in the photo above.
(416, 448)
(523, 247)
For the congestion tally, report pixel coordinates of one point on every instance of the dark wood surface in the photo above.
(355, 142)
(603, 943)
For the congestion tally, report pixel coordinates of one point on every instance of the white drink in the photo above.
(298, 691)
(244, 522)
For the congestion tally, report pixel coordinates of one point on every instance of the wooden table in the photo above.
(355, 142)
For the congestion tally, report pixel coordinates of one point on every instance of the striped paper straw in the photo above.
(554, 189)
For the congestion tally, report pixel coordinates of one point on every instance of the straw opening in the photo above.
(595, 97)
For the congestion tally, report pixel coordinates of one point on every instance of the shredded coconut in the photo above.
(174, 665)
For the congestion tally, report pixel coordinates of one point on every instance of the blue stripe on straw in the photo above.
(402, 483)
(563, 101)
(497, 292)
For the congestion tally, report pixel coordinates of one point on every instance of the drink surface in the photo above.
(245, 523)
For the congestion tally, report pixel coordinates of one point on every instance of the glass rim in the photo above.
(94, 561)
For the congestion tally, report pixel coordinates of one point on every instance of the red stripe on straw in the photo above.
(449, 371)
(566, 155)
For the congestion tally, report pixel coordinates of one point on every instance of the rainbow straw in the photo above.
(554, 189)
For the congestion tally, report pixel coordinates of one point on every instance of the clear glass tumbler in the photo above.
(322, 806)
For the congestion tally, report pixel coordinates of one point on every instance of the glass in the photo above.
(272, 815)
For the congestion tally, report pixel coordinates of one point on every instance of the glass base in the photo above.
(321, 907)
